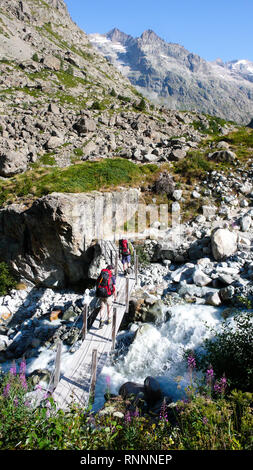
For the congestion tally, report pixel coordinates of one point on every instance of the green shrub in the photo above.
(141, 106)
(7, 280)
(213, 127)
(35, 57)
(113, 93)
(78, 152)
(206, 424)
(48, 159)
(194, 165)
(143, 257)
(231, 351)
(124, 99)
(97, 105)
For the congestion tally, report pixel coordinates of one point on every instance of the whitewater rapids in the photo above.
(158, 351)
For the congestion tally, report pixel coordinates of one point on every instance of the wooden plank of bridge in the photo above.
(74, 385)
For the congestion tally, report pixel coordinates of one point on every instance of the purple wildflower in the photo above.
(128, 417)
(15, 401)
(216, 387)
(209, 376)
(205, 421)
(136, 413)
(22, 368)
(220, 386)
(163, 414)
(38, 387)
(191, 361)
(13, 369)
(209, 373)
(23, 381)
(108, 380)
(6, 390)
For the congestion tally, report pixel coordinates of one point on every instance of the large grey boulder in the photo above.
(223, 156)
(56, 241)
(12, 162)
(51, 62)
(54, 142)
(223, 243)
(200, 278)
(85, 125)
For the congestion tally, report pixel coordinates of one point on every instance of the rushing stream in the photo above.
(157, 350)
(146, 349)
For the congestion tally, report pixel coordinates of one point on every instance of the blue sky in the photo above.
(210, 28)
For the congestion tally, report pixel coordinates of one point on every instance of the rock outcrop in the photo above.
(55, 242)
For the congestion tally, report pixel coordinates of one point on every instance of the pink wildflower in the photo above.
(128, 417)
(23, 381)
(13, 369)
(6, 390)
(22, 368)
(191, 361)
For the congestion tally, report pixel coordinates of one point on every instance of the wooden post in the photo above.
(114, 327)
(57, 364)
(136, 267)
(111, 257)
(93, 374)
(85, 321)
(127, 294)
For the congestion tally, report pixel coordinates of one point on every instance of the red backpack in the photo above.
(124, 247)
(104, 284)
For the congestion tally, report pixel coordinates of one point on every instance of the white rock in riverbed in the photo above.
(224, 243)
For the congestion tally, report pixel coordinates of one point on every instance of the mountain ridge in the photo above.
(169, 74)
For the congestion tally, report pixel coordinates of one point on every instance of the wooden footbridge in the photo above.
(77, 384)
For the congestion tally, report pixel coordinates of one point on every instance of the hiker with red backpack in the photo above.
(105, 291)
(125, 252)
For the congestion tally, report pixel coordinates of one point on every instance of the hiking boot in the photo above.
(101, 323)
(108, 321)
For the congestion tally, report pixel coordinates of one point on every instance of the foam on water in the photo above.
(158, 351)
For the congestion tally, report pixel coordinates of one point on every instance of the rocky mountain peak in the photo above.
(149, 37)
(115, 35)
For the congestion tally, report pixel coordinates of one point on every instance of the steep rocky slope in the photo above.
(171, 75)
(59, 96)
